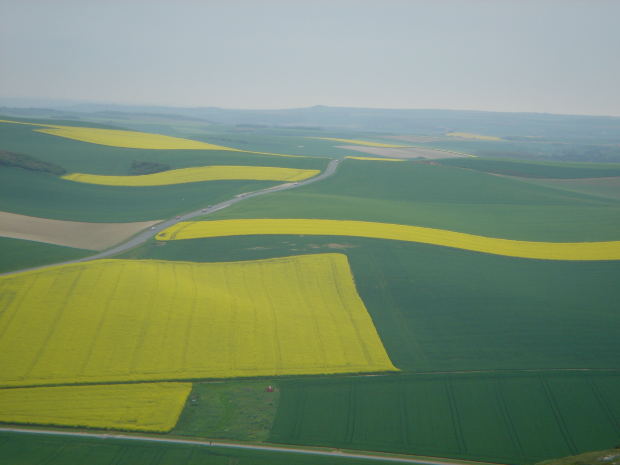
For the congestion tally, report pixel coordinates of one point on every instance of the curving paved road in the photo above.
(231, 445)
(144, 236)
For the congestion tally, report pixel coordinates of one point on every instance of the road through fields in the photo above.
(292, 450)
(147, 234)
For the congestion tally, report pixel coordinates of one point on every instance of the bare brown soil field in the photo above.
(405, 152)
(91, 236)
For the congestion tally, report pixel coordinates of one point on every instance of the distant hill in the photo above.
(417, 121)
(533, 136)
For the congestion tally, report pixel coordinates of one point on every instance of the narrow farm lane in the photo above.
(147, 234)
(271, 448)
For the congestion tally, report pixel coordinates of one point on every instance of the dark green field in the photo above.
(442, 197)
(510, 418)
(601, 187)
(287, 141)
(39, 194)
(17, 254)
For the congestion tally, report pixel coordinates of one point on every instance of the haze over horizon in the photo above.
(511, 56)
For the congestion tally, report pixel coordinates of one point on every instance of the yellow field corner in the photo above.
(138, 407)
(147, 320)
(198, 174)
(609, 250)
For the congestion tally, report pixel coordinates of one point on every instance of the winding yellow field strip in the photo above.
(139, 407)
(469, 135)
(523, 249)
(147, 320)
(360, 142)
(374, 158)
(198, 174)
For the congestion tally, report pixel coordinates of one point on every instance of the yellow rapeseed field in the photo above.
(469, 135)
(360, 142)
(524, 249)
(147, 320)
(129, 139)
(197, 174)
(134, 139)
(140, 407)
(123, 138)
(374, 158)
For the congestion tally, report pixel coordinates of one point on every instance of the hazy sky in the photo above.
(556, 56)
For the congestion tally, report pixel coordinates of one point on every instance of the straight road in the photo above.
(230, 445)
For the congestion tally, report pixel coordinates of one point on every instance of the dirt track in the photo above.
(271, 448)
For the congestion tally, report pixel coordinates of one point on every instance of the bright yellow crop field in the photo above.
(469, 135)
(122, 138)
(360, 142)
(374, 158)
(140, 407)
(524, 249)
(129, 139)
(198, 174)
(134, 139)
(146, 320)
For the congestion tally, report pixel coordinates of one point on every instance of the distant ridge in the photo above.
(414, 121)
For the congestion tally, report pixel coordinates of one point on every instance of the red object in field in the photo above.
(269, 389)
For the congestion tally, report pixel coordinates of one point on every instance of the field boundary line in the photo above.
(374, 374)
(364, 455)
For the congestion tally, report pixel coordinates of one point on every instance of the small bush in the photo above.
(147, 167)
